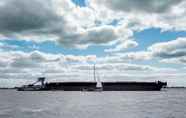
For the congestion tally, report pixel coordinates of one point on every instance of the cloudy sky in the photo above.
(128, 40)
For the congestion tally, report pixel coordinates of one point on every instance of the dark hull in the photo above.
(131, 87)
(91, 86)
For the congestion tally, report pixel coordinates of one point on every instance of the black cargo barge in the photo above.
(95, 85)
(92, 86)
(106, 86)
(71, 86)
(133, 86)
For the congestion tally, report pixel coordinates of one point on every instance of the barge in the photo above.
(92, 86)
(95, 85)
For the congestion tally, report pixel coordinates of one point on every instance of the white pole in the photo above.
(94, 72)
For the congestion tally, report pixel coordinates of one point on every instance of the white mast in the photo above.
(95, 73)
(96, 79)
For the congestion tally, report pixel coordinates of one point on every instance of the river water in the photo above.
(170, 103)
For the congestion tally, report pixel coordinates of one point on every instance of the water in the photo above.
(59, 104)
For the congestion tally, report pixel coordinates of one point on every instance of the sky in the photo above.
(128, 40)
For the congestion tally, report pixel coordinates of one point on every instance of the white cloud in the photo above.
(5, 46)
(60, 21)
(72, 58)
(139, 15)
(122, 46)
(26, 67)
(178, 60)
(170, 49)
(126, 57)
(173, 51)
(119, 67)
(75, 27)
(152, 6)
(79, 27)
(140, 55)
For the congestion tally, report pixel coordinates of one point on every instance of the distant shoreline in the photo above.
(176, 87)
(8, 88)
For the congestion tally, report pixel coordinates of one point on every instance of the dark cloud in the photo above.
(99, 35)
(153, 6)
(22, 15)
(173, 54)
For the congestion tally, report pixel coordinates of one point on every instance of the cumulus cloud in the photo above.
(60, 21)
(179, 60)
(71, 26)
(117, 67)
(173, 51)
(75, 27)
(153, 6)
(167, 15)
(98, 35)
(20, 15)
(124, 45)
(4, 46)
(170, 49)
(26, 67)
(39, 60)
(140, 55)
(126, 57)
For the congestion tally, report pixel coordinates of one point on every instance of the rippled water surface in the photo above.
(169, 103)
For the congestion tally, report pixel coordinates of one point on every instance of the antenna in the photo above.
(94, 72)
